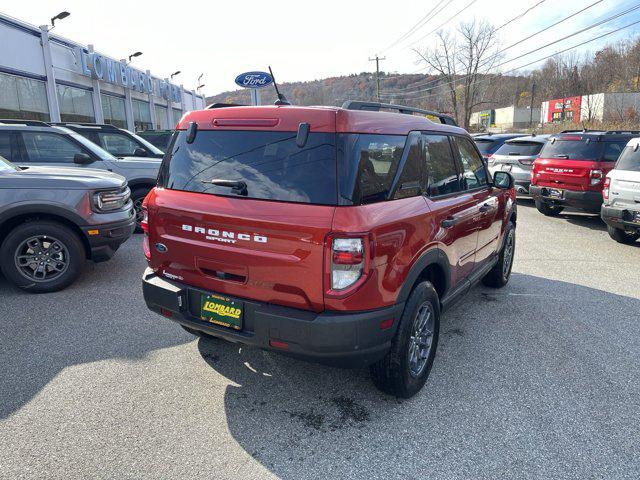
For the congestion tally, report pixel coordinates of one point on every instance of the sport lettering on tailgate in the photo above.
(224, 236)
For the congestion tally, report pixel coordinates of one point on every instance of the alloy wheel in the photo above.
(41, 258)
(421, 339)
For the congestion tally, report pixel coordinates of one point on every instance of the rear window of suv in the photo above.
(525, 149)
(583, 149)
(271, 165)
(629, 160)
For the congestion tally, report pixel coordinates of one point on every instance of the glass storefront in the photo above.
(23, 98)
(161, 118)
(76, 104)
(177, 115)
(113, 111)
(141, 115)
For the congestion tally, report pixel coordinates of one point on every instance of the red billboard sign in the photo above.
(567, 109)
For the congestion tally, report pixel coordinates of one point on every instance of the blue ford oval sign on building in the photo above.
(254, 79)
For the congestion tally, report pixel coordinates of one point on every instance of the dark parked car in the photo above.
(489, 143)
(159, 138)
(52, 219)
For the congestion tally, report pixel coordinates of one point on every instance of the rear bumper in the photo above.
(620, 217)
(333, 338)
(104, 240)
(588, 201)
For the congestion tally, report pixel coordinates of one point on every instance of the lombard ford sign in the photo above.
(254, 79)
(103, 68)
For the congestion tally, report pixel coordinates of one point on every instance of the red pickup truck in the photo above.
(335, 235)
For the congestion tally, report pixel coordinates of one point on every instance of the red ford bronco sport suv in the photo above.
(571, 169)
(331, 234)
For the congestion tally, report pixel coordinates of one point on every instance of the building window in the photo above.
(23, 98)
(177, 115)
(161, 118)
(113, 111)
(76, 104)
(141, 115)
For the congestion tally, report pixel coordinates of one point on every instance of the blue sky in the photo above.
(302, 40)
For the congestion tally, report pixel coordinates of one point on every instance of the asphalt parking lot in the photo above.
(538, 380)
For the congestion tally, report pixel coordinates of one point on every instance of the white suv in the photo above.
(621, 193)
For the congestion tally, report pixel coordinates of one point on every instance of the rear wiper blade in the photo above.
(237, 186)
(562, 156)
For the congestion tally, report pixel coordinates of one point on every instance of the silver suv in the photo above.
(32, 143)
(621, 193)
(516, 156)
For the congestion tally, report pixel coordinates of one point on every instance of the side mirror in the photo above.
(139, 152)
(503, 180)
(82, 159)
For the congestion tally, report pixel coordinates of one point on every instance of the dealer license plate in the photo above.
(221, 311)
(555, 193)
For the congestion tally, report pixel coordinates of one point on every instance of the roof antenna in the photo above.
(282, 100)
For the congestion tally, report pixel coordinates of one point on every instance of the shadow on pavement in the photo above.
(89, 321)
(525, 379)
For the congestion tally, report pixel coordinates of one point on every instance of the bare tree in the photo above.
(460, 59)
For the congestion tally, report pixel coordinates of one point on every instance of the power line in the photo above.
(539, 59)
(423, 21)
(445, 22)
(494, 56)
(517, 17)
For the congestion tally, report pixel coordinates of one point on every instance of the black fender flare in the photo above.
(430, 257)
(40, 208)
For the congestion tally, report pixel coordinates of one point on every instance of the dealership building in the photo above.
(607, 106)
(50, 78)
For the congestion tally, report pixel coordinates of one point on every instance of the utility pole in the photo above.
(533, 93)
(377, 60)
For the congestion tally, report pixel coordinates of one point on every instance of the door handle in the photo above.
(449, 222)
(485, 208)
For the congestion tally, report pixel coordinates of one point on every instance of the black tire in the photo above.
(499, 275)
(137, 196)
(548, 210)
(622, 236)
(393, 374)
(60, 250)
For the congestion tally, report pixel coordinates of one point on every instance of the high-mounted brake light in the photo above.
(605, 189)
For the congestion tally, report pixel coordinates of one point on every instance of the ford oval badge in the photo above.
(254, 80)
(161, 247)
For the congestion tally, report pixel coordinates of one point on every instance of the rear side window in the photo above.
(5, 145)
(474, 174)
(524, 149)
(572, 149)
(49, 147)
(442, 176)
(410, 181)
(270, 164)
(612, 151)
(629, 160)
(368, 164)
(118, 144)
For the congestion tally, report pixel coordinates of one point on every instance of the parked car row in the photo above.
(68, 192)
(593, 171)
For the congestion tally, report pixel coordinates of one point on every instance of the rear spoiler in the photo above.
(224, 105)
(376, 107)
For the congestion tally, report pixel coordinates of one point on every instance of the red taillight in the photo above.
(605, 189)
(595, 177)
(525, 162)
(347, 263)
(144, 224)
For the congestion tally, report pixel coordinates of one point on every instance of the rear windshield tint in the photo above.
(271, 165)
(629, 160)
(486, 146)
(525, 149)
(573, 150)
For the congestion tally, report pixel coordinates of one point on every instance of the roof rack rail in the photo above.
(224, 105)
(576, 130)
(86, 124)
(376, 107)
(622, 132)
(29, 123)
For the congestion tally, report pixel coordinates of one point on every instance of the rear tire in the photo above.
(548, 210)
(405, 368)
(42, 256)
(137, 196)
(499, 275)
(622, 236)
